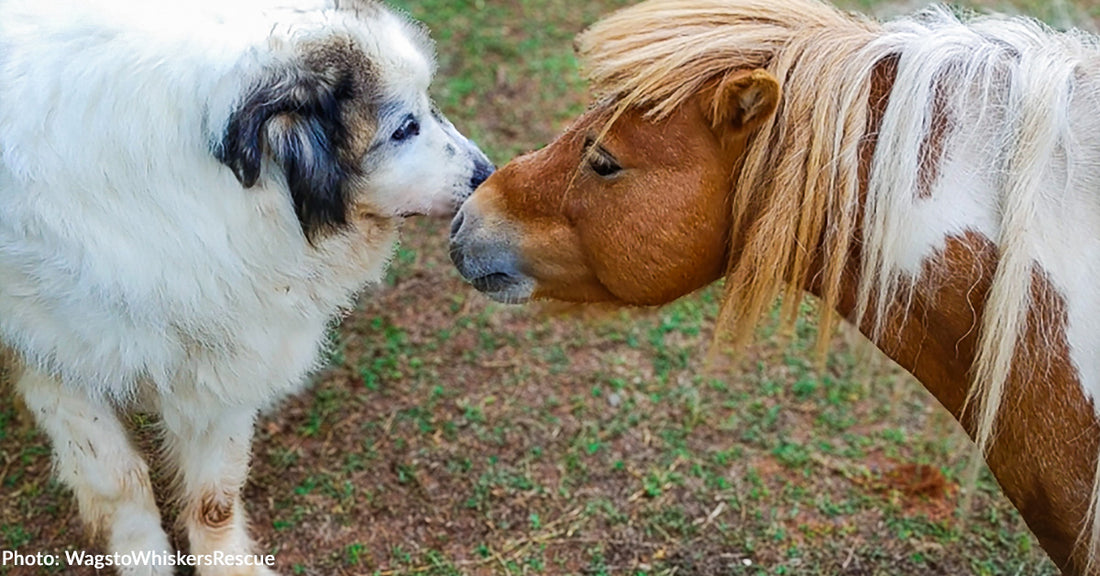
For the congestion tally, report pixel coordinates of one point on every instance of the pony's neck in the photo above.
(1047, 434)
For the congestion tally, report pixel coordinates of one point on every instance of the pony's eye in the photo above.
(409, 128)
(604, 165)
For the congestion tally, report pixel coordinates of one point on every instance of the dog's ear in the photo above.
(297, 119)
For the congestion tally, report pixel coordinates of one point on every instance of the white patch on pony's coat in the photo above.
(980, 62)
(960, 202)
(1067, 236)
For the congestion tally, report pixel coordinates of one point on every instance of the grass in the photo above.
(452, 436)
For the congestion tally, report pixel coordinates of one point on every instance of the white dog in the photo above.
(190, 192)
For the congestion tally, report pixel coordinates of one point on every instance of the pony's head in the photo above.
(688, 167)
(635, 211)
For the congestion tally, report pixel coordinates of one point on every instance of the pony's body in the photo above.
(936, 182)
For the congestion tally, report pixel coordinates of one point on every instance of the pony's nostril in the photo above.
(458, 257)
(456, 223)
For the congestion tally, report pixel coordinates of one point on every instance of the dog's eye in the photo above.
(603, 164)
(409, 128)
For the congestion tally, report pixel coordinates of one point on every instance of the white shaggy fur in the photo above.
(140, 268)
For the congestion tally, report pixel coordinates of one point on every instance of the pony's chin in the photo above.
(504, 288)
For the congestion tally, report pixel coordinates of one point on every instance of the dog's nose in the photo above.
(483, 169)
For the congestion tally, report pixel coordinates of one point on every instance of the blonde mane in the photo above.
(799, 177)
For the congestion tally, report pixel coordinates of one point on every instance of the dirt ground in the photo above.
(451, 435)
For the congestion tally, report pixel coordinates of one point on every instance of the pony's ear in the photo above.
(297, 120)
(744, 99)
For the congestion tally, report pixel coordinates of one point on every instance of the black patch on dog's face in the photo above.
(299, 115)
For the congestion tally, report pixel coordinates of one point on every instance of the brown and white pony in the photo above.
(935, 180)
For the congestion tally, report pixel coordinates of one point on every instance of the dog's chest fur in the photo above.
(231, 300)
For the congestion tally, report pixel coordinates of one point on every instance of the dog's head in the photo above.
(348, 120)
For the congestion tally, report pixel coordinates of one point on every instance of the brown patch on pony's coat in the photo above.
(931, 150)
(1048, 436)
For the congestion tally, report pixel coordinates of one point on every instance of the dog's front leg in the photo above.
(211, 445)
(94, 457)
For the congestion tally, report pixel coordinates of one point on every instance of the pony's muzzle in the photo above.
(487, 257)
